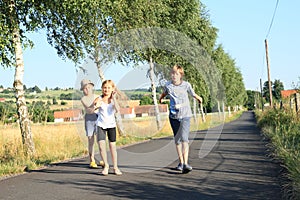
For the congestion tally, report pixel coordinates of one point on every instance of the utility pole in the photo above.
(269, 78)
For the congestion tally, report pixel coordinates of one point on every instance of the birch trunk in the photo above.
(223, 109)
(153, 88)
(229, 111)
(194, 110)
(202, 112)
(219, 109)
(100, 71)
(27, 140)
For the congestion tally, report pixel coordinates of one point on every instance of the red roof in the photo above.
(150, 108)
(67, 113)
(287, 93)
(126, 111)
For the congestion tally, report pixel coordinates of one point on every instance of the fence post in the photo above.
(297, 102)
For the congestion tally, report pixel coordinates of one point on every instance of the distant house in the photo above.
(287, 93)
(142, 111)
(127, 113)
(149, 110)
(2, 99)
(68, 115)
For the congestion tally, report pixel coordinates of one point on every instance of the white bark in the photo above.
(195, 109)
(153, 88)
(223, 109)
(202, 112)
(27, 140)
(229, 111)
(219, 109)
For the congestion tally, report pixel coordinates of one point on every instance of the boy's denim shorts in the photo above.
(181, 129)
(90, 124)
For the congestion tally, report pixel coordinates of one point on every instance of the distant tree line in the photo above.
(39, 112)
(257, 99)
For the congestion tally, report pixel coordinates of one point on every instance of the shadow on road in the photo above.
(238, 167)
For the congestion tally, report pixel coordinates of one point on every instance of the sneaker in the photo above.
(186, 168)
(179, 167)
(93, 165)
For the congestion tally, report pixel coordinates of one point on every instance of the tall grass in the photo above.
(52, 142)
(58, 142)
(282, 127)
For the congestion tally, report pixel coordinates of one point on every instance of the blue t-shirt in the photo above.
(179, 100)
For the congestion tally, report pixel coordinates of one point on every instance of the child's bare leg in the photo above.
(179, 152)
(114, 157)
(91, 148)
(185, 153)
(103, 153)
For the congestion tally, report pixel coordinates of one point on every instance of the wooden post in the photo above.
(297, 102)
(269, 77)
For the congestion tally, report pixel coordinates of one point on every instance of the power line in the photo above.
(271, 24)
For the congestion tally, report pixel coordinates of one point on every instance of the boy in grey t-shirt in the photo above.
(180, 114)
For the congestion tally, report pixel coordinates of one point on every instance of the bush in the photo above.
(63, 103)
(8, 112)
(146, 100)
(40, 112)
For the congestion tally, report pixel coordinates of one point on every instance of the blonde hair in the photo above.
(178, 68)
(108, 82)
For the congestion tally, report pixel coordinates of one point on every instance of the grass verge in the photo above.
(282, 127)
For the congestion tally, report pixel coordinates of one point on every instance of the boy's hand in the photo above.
(200, 99)
(97, 103)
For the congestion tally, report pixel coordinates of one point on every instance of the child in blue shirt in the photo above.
(180, 114)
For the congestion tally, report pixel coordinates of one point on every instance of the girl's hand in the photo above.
(113, 94)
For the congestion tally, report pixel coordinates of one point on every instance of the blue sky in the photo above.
(243, 27)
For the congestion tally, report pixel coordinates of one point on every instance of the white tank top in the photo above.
(106, 116)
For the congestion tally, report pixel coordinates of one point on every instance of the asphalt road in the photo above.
(229, 162)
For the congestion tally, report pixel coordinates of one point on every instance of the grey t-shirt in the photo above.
(179, 100)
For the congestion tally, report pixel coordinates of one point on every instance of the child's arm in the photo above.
(163, 95)
(198, 98)
(88, 109)
(192, 93)
(97, 103)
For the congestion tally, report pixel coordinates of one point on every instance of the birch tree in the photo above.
(58, 18)
(11, 41)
